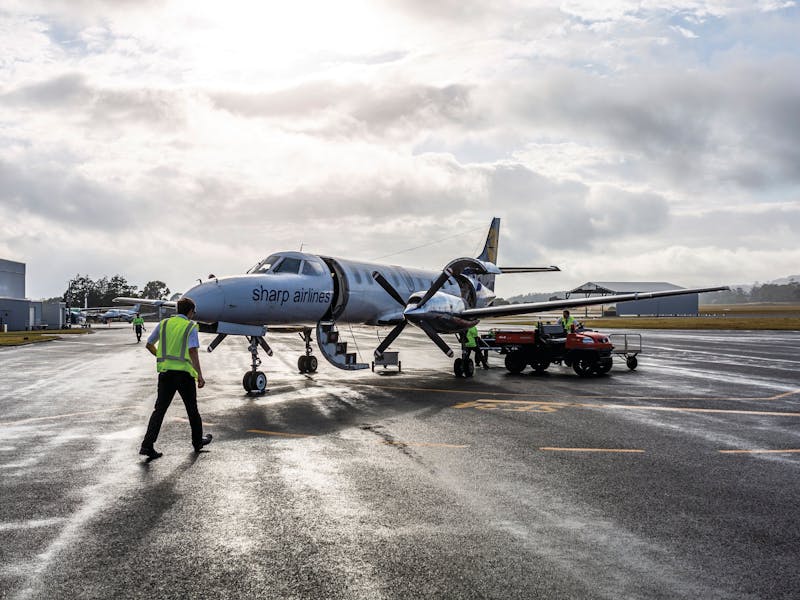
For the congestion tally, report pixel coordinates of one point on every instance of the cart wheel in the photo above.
(604, 366)
(373, 367)
(583, 367)
(399, 366)
(540, 365)
(515, 362)
(632, 362)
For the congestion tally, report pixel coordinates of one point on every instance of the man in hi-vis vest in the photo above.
(178, 366)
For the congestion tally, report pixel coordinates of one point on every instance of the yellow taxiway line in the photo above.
(615, 450)
(538, 406)
(786, 451)
(579, 397)
(279, 433)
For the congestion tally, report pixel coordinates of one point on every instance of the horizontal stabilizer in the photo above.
(528, 269)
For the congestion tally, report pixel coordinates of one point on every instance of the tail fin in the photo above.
(489, 253)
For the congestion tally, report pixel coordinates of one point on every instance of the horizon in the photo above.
(615, 140)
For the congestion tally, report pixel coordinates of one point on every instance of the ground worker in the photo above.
(138, 326)
(567, 322)
(471, 345)
(178, 365)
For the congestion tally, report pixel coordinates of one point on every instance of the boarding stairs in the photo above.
(335, 351)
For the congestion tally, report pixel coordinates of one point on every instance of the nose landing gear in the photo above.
(307, 363)
(255, 381)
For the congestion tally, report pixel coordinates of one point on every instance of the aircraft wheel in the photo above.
(259, 382)
(457, 367)
(631, 362)
(515, 362)
(468, 367)
(311, 364)
(302, 364)
(247, 381)
(583, 367)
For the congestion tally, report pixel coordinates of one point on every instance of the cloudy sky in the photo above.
(619, 140)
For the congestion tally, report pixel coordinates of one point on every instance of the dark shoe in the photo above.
(150, 453)
(204, 441)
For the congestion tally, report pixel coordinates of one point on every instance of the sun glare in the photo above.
(281, 38)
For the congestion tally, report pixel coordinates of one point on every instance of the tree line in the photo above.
(101, 292)
(768, 292)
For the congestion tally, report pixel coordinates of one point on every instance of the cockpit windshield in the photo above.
(288, 265)
(265, 264)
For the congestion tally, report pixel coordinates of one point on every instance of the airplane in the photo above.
(119, 314)
(298, 291)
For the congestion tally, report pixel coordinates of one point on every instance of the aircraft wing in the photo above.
(528, 269)
(146, 302)
(532, 307)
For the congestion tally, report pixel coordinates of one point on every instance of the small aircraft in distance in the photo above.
(297, 292)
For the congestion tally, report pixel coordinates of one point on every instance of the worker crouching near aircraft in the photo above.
(178, 365)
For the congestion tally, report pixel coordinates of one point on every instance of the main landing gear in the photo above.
(464, 366)
(307, 363)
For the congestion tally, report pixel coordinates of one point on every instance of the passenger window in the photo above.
(288, 265)
(356, 275)
(311, 268)
(370, 280)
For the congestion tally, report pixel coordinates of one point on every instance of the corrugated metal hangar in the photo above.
(675, 305)
(18, 313)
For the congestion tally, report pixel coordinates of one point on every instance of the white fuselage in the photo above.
(300, 288)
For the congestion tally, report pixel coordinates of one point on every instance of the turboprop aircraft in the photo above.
(297, 291)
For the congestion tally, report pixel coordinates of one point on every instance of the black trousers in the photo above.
(138, 333)
(170, 382)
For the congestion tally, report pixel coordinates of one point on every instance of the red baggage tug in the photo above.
(587, 352)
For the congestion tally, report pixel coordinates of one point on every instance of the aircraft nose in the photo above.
(209, 301)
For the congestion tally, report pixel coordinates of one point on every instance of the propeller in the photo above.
(429, 331)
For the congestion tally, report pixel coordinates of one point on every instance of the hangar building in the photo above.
(16, 312)
(674, 305)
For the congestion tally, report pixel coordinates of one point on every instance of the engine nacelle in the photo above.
(439, 313)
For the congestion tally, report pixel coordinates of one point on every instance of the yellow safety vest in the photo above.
(567, 324)
(472, 337)
(173, 349)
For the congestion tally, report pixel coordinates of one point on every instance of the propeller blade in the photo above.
(387, 341)
(435, 338)
(384, 283)
(437, 285)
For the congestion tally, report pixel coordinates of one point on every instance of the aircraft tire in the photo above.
(457, 367)
(468, 366)
(302, 364)
(247, 381)
(311, 364)
(259, 382)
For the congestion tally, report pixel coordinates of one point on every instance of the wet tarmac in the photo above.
(678, 480)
